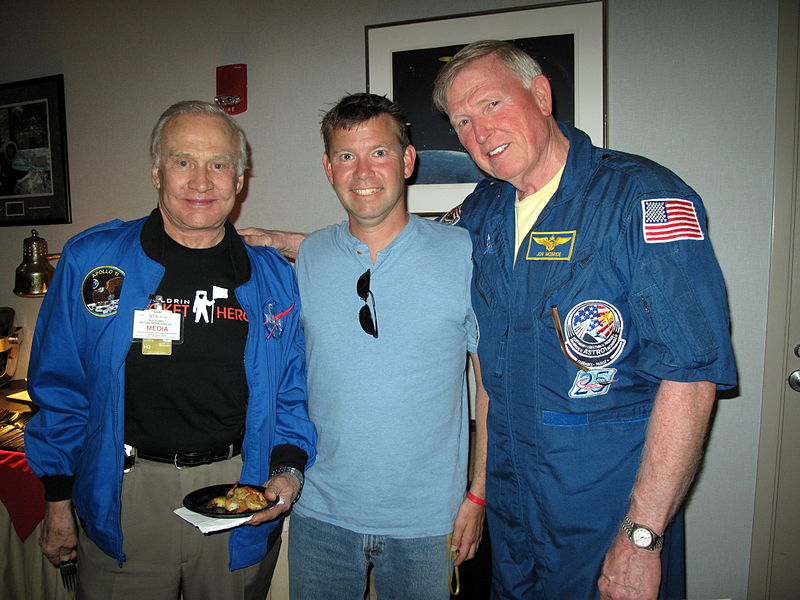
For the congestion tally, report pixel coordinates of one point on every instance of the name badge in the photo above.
(156, 325)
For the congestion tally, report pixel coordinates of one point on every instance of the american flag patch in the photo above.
(669, 220)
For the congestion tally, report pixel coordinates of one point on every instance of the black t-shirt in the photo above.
(196, 398)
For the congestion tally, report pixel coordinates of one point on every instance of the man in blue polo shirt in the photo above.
(388, 324)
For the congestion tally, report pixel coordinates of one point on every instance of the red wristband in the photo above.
(473, 498)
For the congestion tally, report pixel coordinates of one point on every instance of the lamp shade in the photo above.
(34, 274)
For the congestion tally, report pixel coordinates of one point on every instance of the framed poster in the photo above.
(403, 59)
(34, 174)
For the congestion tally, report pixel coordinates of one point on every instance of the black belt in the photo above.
(188, 459)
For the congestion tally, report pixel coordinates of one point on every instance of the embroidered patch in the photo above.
(593, 333)
(669, 220)
(594, 382)
(452, 217)
(550, 245)
(100, 290)
(273, 319)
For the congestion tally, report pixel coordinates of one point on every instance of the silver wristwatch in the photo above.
(296, 472)
(641, 536)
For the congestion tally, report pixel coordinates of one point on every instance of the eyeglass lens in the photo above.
(365, 315)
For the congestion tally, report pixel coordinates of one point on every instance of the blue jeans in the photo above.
(326, 561)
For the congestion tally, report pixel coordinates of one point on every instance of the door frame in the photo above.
(775, 392)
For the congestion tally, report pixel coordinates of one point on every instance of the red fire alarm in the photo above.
(232, 88)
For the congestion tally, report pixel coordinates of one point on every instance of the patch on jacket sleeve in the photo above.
(101, 289)
(670, 220)
(452, 217)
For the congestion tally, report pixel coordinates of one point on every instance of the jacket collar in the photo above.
(579, 166)
(153, 238)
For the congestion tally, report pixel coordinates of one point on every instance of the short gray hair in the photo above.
(525, 67)
(195, 107)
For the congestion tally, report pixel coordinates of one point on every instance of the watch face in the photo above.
(642, 537)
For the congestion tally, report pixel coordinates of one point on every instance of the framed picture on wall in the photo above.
(403, 59)
(34, 174)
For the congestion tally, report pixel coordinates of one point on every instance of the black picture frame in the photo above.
(34, 170)
(566, 37)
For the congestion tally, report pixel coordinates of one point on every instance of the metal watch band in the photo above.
(296, 472)
(629, 526)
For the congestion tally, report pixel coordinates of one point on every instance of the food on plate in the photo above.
(238, 499)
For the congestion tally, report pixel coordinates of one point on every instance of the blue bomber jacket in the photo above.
(77, 372)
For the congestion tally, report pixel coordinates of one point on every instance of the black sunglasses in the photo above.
(365, 316)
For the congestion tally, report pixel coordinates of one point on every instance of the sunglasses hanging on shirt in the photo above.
(367, 316)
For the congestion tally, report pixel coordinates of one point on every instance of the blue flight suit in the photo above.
(622, 252)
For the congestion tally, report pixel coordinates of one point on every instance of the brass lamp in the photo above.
(34, 274)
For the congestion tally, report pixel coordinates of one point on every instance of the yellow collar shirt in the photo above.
(527, 210)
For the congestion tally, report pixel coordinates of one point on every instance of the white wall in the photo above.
(697, 94)
(691, 85)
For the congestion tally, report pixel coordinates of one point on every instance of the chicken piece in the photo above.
(239, 499)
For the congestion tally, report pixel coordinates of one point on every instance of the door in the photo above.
(775, 552)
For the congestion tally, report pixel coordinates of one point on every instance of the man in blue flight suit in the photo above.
(605, 335)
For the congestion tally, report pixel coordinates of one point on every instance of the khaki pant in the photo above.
(166, 557)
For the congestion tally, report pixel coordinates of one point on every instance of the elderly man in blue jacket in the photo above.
(167, 357)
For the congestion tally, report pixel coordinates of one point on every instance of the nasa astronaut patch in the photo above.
(100, 290)
(593, 333)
